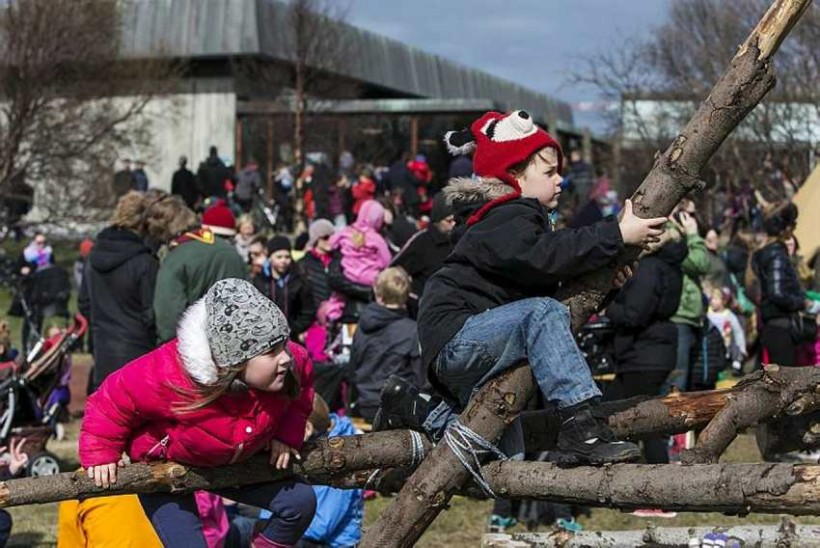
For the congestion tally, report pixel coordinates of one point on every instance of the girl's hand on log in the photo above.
(104, 475)
(17, 458)
(636, 231)
(280, 454)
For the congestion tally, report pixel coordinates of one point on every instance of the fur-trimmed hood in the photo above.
(194, 350)
(466, 191)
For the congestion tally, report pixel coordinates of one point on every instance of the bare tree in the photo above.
(658, 83)
(68, 102)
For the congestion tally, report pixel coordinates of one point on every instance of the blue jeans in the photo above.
(176, 521)
(533, 330)
(688, 335)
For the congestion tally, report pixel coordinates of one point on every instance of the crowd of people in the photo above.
(387, 297)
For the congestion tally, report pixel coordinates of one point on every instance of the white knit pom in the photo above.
(457, 150)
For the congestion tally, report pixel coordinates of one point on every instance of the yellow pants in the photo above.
(105, 522)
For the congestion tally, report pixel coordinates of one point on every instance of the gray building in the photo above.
(385, 98)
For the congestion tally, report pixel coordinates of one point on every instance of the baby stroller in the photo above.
(35, 393)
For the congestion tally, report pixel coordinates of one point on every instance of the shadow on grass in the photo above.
(28, 539)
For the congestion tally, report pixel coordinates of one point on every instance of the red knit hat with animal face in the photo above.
(500, 141)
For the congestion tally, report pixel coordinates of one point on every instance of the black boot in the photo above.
(585, 438)
(402, 406)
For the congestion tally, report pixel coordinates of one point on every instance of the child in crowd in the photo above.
(338, 519)
(15, 464)
(488, 308)
(364, 251)
(246, 234)
(386, 343)
(285, 284)
(229, 386)
(721, 316)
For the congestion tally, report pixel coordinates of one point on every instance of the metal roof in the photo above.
(221, 28)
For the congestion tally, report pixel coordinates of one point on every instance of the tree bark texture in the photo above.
(758, 397)
(431, 486)
(734, 488)
(761, 396)
(325, 460)
(676, 172)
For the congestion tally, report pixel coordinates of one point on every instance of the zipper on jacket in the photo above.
(237, 453)
(161, 443)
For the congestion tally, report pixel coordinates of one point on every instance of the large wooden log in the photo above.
(676, 172)
(323, 460)
(734, 488)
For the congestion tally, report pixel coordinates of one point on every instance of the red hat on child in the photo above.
(219, 218)
(498, 142)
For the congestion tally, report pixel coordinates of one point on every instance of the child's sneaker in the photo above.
(499, 524)
(586, 438)
(715, 540)
(569, 524)
(402, 406)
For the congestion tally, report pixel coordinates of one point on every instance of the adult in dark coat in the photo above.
(402, 181)
(315, 265)
(118, 290)
(184, 184)
(646, 340)
(781, 294)
(212, 174)
(425, 253)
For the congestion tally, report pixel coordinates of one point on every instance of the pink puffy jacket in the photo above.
(134, 411)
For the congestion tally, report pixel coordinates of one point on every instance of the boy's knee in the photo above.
(550, 307)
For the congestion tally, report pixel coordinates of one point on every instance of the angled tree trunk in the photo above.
(676, 172)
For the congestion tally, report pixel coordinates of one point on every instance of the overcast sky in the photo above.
(532, 42)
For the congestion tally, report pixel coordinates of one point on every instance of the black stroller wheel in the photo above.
(43, 464)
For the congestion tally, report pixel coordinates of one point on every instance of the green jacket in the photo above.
(696, 264)
(186, 274)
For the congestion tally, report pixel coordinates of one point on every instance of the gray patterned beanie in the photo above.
(241, 322)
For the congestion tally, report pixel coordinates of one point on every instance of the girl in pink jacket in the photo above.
(229, 386)
(364, 250)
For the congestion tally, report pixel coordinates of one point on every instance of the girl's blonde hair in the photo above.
(245, 219)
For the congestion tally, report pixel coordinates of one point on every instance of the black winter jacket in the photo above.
(511, 254)
(423, 255)
(645, 339)
(294, 298)
(117, 296)
(386, 343)
(781, 294)
(317, 277)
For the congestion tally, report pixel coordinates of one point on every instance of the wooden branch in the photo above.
(759, 397)
(769, 488)
(324, 459)
(429, 489)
